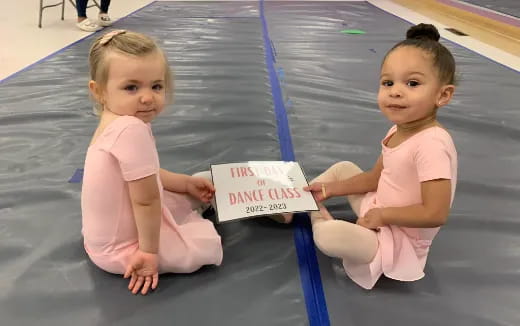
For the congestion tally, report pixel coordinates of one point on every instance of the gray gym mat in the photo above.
(223, 113)
(510, 7)
(331, 81)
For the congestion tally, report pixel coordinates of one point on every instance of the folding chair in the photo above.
(62, 4)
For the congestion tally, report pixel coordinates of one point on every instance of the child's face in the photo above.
(409, 86)
(135, 85)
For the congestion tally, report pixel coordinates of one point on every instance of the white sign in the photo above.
(260, 188)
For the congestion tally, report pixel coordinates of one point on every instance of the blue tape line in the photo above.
(77, 177)
(284, 135)
(307, 261)
(274, 51)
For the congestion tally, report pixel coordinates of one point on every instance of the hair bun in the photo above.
(423, 32)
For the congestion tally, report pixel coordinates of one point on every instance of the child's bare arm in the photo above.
(146, 204)
(174, 182)
(433, 212)
(358, 184)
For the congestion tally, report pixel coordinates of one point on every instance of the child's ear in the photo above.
(445, 95)
(96, 91)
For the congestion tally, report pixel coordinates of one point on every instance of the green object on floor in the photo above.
(352, 31)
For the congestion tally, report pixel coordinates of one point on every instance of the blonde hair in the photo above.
(129, 43)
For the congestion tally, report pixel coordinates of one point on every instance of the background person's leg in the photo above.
(84, 23)
(104, 6)
(81, 8)
(104, 18)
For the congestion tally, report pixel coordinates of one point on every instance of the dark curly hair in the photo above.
(426, 37)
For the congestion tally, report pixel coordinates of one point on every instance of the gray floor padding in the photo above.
(331, 80)
(223, 113)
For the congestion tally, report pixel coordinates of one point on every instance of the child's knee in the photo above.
(344, 170)
(347, 166)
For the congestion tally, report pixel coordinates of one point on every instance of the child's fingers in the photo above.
(155, 280)
(138, 284)
(313, 187)
(208, 197)
(209, 185)
(132, 281)
(204, 197)
(146, 286)
(128, 271)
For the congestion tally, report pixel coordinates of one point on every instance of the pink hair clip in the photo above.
(108, 36)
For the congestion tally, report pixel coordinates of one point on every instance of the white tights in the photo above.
(342, 239)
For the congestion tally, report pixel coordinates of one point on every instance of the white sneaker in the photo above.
(104, 20)
(88, 26)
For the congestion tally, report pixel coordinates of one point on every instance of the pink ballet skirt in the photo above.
(428, 155)
(125, 151)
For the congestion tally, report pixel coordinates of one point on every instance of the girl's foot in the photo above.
(104, 20)
(317, 216)
(324, 212)
(88, 26)
(321, 215)
(284, 218)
